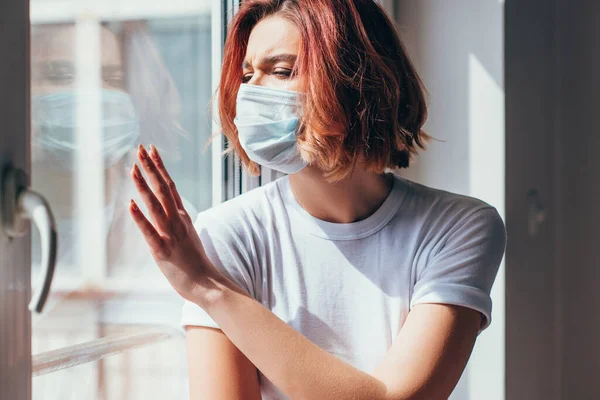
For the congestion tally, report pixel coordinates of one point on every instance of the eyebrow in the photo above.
(55, 65)
(273, 59)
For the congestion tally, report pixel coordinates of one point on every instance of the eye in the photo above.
(246, 78)
(283, 73)
(60, 79)
(57, 73)
(115, 81)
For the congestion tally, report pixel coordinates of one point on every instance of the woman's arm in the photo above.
(217, 369)
(425, 362)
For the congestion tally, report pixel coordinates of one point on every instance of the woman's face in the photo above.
(54, 71)
(54, 64)
(271, 54)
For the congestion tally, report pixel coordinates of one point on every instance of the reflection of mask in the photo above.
(267, 120)
(56, 124)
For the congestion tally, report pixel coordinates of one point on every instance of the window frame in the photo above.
(16, 18)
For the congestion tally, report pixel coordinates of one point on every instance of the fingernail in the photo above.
(133, 205)
(153, 151)
(142, 151)
(136, 171)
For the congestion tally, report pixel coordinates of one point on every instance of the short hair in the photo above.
(363, 99)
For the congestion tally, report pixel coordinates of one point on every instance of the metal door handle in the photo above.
(20, 205)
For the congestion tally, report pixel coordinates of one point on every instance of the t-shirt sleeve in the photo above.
(228, 253)
(464, 269)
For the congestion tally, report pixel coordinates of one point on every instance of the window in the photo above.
(106, 76)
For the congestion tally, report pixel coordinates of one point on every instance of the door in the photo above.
(15, 326)
(553, 318)
(83, 83)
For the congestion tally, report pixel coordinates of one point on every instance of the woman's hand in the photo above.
(173, 240)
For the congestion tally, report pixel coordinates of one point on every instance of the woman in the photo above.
(339, 281)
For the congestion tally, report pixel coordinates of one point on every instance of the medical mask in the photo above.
(54, 120)
(267, 121)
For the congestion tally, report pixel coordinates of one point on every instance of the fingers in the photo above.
(152, 237)
(161, 188)
(160, 165)
(155, 207)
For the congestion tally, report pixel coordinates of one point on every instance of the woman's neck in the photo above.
(351, 200)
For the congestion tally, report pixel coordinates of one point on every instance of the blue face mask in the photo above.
(55, 122)
(267, 121)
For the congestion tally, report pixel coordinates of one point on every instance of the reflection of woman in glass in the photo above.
(139, 103)
(339, 281)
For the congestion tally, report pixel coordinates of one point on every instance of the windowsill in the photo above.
(80, 312)
(74, 355)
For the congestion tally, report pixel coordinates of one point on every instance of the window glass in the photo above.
(104, 80)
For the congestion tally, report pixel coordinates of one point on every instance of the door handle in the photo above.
(536, 212)
(19, 206)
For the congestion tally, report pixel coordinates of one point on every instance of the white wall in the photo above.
(458, 49)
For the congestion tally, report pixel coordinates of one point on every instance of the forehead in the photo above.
(57, 42)
(273, 35)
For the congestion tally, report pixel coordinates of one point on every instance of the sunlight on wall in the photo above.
(486, 135)
(458, 51)
(486, 181)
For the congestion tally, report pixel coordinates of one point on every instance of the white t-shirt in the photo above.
(349, 287)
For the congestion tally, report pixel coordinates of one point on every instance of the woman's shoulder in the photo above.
(440, 206)
(455, 222)
(246, 212)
